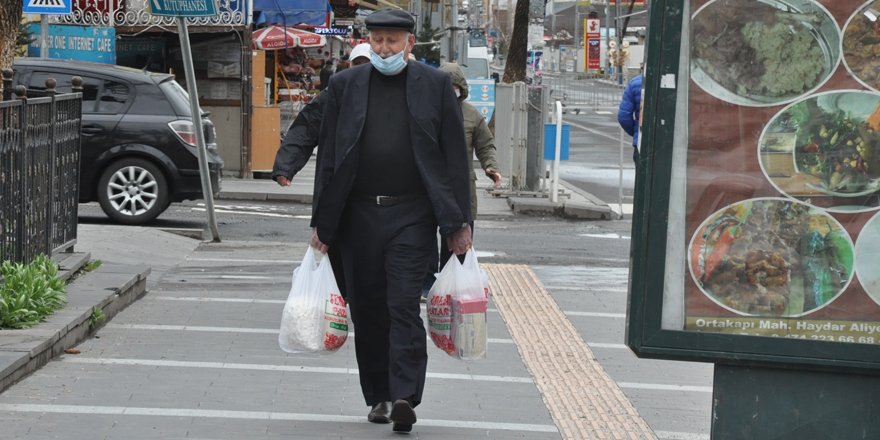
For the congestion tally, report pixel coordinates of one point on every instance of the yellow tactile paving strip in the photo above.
(585, 403)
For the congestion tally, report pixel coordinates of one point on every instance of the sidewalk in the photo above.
(572, 202)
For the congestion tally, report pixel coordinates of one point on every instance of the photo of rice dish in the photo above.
(762, 52)
(771, 257)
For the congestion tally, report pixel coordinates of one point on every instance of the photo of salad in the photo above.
(765, 52)
(771, 257)
(836, 142)
(861, 44)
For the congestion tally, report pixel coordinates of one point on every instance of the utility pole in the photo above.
(577, 35)
(452, 33)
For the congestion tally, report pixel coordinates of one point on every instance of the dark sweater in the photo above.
(387, 165)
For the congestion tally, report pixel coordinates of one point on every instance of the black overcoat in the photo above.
(436, 133)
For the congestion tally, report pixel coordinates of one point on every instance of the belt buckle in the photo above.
(379, 200)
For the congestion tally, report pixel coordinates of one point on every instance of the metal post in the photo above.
(7, 84)
(577, 36)
(186, 51)
(452, 34)
(54, 188)
(554, 192)
(619, 35)
(535, 142)
(24, 196)
(620, 181)
(44, 36)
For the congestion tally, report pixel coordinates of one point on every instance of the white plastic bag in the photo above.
(457, 305)
(314, 319)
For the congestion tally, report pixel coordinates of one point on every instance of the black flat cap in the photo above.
(390, 19)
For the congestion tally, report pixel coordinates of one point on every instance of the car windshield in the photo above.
(178, 97)
(476, 68)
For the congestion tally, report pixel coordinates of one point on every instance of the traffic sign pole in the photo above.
(186, 51)
(182, 9)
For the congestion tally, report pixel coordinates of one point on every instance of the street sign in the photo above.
(83, 43)
(55, 7)
(183, 8)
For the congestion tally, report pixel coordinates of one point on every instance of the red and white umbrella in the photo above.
(280, 37)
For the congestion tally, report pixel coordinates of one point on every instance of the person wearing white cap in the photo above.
(302, 137)
(393, 167)
(360, 54)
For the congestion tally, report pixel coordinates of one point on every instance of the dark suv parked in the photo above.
(138, 143)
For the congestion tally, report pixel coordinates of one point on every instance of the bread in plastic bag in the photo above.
(314, 318)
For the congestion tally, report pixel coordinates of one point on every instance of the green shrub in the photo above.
(29, 293)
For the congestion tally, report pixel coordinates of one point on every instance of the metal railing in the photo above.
(39, 171)
(580, 91)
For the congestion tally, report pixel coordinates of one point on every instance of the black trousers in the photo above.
(385, 252)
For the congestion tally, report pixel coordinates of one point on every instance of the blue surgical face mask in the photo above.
(391, 65)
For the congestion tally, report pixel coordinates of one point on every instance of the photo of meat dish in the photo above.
(771, 257)
(861, 45)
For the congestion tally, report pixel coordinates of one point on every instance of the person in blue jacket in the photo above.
(628, 112)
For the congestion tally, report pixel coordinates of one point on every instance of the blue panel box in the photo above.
(550, 142)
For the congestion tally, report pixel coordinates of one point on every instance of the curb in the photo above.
(263, 197)
(110, 287)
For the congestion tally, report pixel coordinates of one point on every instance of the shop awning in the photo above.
(279, 37)
(291, 12)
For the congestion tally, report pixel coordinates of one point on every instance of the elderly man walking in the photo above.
(393, 167)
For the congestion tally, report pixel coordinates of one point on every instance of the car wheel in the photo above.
(133, 191)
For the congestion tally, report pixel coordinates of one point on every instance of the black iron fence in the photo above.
(39, 171)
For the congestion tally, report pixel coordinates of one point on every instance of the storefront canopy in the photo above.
(291, 12)
(280, 37)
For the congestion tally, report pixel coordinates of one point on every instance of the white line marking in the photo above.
(237, 277)
(607, 345)
(279, 301)
(193, 328)
(263, 331)
(283, 368)
(596, 314)
(671, 435)
(222, 300)
(243, 260)
(262, 214)
(617, 236)
(259, 415)
(596, 132)
(664, 387)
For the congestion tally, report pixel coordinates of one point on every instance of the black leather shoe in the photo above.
(403, 416)
(380, 413)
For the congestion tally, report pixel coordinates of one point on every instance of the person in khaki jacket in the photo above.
(477, 135)
(479, 140)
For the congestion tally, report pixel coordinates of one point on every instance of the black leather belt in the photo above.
(389, 200)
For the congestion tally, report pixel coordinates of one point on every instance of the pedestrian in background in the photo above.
(392, 168)
(479, 140)
(628, 112)
(302, 137)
